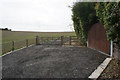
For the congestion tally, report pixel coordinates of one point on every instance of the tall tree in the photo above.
(84, 15)
(109, 15)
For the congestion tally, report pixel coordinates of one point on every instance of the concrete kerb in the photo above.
(101, 67)
(16, 50)
(95, 75)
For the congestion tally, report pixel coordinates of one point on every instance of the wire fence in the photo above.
(7, 47)
(14, 45)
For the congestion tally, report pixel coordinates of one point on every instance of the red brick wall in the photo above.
(97, 38)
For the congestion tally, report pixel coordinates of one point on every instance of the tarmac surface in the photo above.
(51, 61)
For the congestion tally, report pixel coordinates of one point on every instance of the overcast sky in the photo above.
(36, 15)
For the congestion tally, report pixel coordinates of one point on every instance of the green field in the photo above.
(8, 36)
(19, 38)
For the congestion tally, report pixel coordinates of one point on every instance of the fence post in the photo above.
(40, 41)
(36, 40)
(52, 37)
(12, 45)
(47, 39)
(62, 40)
(27, 43)
(70, 40)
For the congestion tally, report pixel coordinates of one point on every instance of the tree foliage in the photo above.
(84, 15)
(109, 15)
(6, 29)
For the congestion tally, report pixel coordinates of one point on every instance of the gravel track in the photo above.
(51, 61)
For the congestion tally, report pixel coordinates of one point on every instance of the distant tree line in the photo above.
(6, 29)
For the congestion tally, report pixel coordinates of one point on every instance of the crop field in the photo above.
(19, 38)
(8, 36)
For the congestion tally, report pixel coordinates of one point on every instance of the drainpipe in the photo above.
(111, 48)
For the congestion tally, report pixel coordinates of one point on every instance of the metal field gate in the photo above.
(49, 40)
(62, 40)
(97, 38)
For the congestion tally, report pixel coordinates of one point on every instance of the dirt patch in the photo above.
(75, 43)
(112, 71)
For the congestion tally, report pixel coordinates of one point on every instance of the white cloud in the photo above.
(36, 15)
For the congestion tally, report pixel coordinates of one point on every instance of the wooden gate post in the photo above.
(62, 40)
(47, 39)
(52, 37)
(37, 40)
(70, 40)
(12, 45)
(40, 41)
(27, 43)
